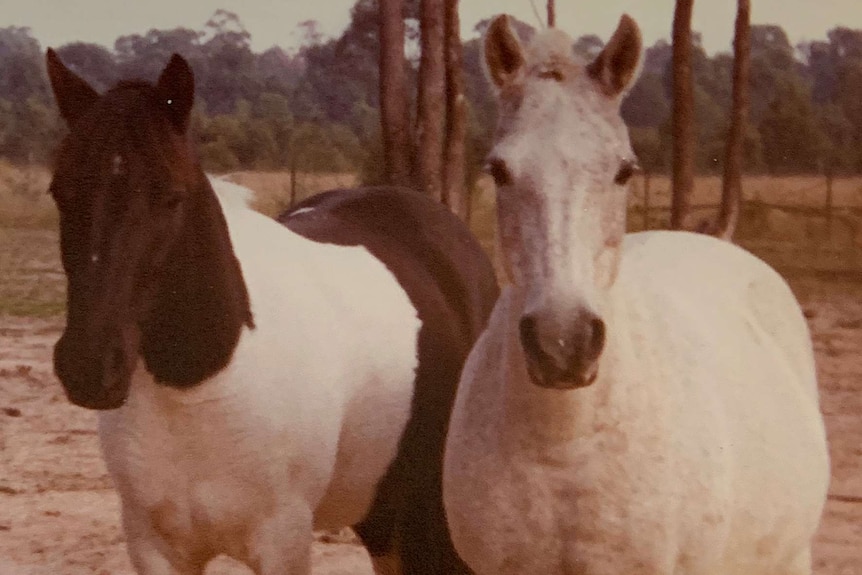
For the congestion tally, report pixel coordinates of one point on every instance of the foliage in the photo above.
(317, 109)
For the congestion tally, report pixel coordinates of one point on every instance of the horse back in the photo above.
(432, 254)
(452, 285)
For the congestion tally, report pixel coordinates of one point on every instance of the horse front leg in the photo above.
(281, 543)
(152, 555)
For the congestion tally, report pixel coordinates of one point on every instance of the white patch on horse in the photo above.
(298, 429)
(679, 430)
(302, 211)
(118, 165)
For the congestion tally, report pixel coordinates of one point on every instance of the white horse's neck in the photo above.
(545, 421)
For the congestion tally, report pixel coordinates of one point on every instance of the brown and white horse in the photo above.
(639, 404)
(256, 380)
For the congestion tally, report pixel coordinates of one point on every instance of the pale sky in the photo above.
(274, 22)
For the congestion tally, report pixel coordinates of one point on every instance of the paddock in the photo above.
(59, 514)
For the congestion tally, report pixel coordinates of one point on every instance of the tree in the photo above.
(454, 192)
(91, 61)
(683, 114)
(394, 104)
(431, 105)
(731, 191)
(552, 14)
(792, 140)
(21, 70)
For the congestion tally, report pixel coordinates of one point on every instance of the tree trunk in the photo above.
(432, 97)
(731, 191)
(683, 114)
(454, 192)
(394, 104)
(552, 14)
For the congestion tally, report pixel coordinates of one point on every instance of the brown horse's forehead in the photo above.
(126, 135)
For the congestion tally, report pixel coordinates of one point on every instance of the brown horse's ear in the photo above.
(504, 57)
(176, 88)
(73, 95)
(618, 65)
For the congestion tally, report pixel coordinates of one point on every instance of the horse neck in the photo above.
(202, 304)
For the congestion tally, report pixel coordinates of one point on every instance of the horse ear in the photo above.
(618, 65)
(176, 87)
(73, 95)
(504, 57)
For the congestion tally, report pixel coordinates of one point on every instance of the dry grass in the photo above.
(24, 201)
(31, 281)
(273, 190)
(794, 191)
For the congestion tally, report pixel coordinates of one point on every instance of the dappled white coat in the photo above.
(699, 450)
(296, 431)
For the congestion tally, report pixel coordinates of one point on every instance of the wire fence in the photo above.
(805, 223)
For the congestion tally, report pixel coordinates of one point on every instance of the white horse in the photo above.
(257, 379)
(640, 404)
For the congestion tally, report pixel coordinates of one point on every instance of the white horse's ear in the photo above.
(618, 65)
(74, 96)
(504, 57)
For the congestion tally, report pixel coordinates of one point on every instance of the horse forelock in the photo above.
(550, 54)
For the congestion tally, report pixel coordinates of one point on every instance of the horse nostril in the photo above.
(529, 335)
(596, 339)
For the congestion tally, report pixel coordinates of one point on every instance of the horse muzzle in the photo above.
(559, 358)
(96, 377)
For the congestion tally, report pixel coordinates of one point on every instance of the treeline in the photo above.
(317, 110)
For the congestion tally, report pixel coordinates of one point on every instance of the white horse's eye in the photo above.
(498, 170)
(626, 171)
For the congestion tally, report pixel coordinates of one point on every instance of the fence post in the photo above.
(292, 180)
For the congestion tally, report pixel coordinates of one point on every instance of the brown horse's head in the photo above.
(121, 183)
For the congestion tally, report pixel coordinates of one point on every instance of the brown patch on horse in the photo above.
(451, 283)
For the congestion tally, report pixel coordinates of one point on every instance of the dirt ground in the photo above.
(59, 515)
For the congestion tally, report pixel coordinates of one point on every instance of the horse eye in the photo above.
(498, 170)
(626, 171)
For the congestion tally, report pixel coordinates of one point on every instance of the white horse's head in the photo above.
(561, 160)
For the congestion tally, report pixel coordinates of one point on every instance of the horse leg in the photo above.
(405, 531)
(281, 544)
(150, 555)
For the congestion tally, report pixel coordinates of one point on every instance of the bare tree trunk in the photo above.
(454, 192)
(731, 192)
(683, 114)
(292, 180)
(394, 104)
(552, 14)
(432, 97)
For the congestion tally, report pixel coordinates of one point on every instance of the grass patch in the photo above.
(32, 282)
(24, 200)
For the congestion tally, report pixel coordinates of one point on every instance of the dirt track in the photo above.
(59, 515)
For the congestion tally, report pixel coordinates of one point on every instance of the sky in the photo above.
(274, 22)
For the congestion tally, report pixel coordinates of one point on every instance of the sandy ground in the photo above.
(59, 515)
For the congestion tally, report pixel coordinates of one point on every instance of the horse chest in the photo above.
(583, 516)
